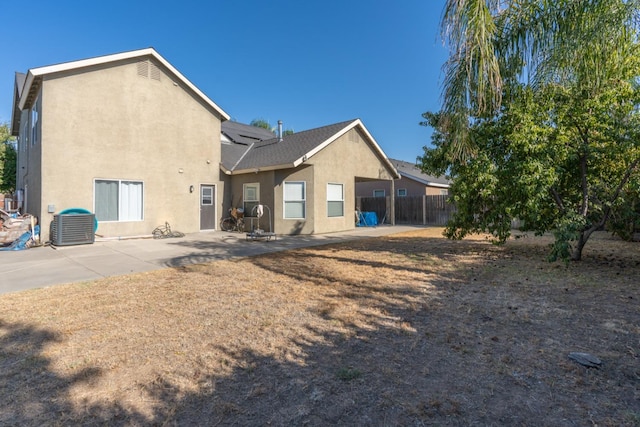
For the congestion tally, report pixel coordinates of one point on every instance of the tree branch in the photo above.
(607, 208)
(557, 199)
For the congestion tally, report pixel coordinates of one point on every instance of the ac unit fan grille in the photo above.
(72, 229)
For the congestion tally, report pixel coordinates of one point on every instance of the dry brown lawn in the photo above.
(410, 329)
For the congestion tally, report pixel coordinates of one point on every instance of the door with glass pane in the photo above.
(207, 207)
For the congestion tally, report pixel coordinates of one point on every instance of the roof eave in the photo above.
(15, 113)
(262, 169)
(424, 181)
(26, 89)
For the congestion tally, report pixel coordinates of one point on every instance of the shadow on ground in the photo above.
(419, 357)
(237, 246)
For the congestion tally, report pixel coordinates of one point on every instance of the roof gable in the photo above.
(296, 148)
(35, 74)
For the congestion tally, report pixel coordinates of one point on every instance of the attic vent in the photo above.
(353, 136)
(155, 72)
(143, 68)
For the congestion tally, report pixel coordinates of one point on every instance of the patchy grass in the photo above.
(410, 329)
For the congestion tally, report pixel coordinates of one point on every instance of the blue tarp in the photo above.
(367, 219)
(21, 242)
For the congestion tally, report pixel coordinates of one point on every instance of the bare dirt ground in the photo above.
(410, 329)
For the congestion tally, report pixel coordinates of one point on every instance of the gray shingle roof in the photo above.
(245, 134)
(272, 153)
(232, 153)
(411, 171)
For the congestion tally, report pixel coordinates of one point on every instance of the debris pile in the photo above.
(17, 231)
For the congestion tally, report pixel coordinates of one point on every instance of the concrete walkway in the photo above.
(49, 265)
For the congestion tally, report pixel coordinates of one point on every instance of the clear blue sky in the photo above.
(308, 63)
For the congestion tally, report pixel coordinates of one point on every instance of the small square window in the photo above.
(402, 192)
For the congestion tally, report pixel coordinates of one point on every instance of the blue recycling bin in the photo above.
(367, 219)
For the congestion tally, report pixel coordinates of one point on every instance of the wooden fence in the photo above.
(424, 210)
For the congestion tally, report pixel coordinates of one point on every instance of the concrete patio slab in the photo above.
(48, 265)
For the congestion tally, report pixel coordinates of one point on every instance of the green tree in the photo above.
(8, 160)
(264, 124)
(557, 150)
(493, 42)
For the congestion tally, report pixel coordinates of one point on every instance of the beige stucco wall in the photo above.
(235, 196)
(343, 161)
(346, 159)
(307, 225)
(108, 122)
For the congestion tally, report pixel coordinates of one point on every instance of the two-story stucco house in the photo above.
(126, 136)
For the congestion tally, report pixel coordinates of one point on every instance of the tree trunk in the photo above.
(576, 254)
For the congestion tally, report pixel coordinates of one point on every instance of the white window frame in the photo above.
(121, 205)
(376, 191)
(202, 191)
(34, 123)
(444, 192)
(332, 199)
(24, 132)
(302, 201)
(247, 203)
(404, 190)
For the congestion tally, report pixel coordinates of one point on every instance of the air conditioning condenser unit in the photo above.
(72, 229)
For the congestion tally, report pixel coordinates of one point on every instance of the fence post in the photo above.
(392, 214)
(424, 209)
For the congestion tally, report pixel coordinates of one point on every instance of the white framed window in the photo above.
(206, 195)
(250, 197)
(24, 131)
(378, 193)
(34, 123)
(335, 200)
(118, 200)
(444, 192)
(295, 199)
(402, 192)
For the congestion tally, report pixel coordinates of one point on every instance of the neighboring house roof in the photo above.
(411, 171)
(33, 78)
(292, 150)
